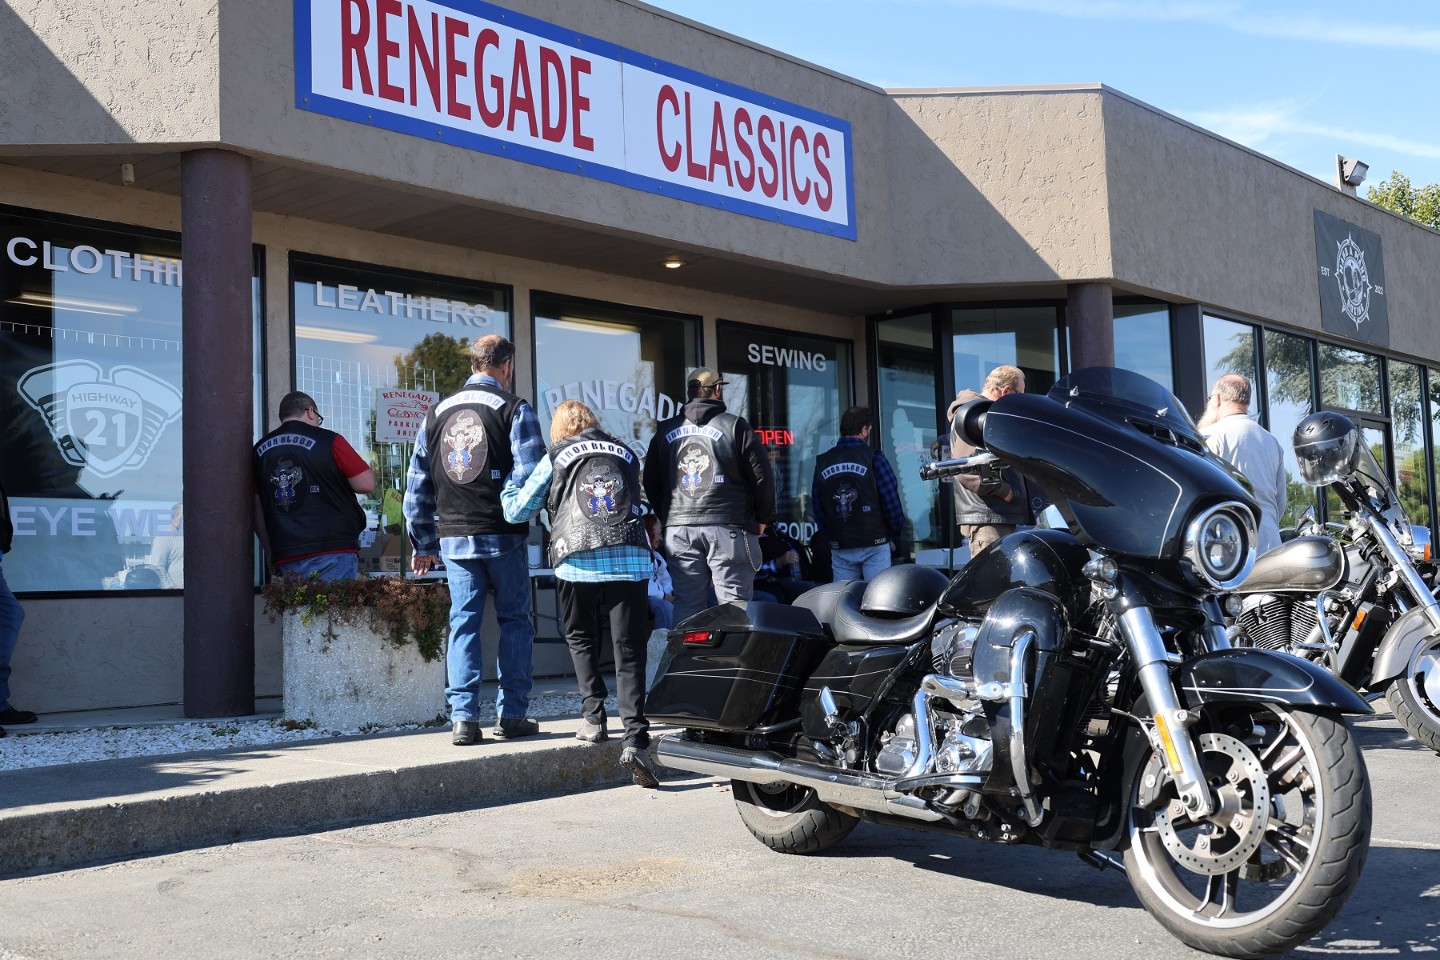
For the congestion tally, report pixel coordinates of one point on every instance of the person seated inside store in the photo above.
(784, 571)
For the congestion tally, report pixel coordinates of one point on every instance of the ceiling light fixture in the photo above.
(673, 262)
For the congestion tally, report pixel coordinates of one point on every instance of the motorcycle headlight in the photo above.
(1220, 545)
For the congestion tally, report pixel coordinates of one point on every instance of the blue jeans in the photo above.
(508, 578)
(326, 566)
(11, 616)
(860, 563)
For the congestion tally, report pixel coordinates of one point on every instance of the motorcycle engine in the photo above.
(1274, 622)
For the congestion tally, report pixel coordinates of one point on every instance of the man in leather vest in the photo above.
(707, 477)
(856, 501)
(475, 443)
(306, 478)
(990, 503)
(590, 484)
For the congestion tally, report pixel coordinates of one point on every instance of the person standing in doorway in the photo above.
(856, 501)
(306, 478)
(473, 444)
(707, 477)
(1250, 448)
(589, 483)
(989, 503)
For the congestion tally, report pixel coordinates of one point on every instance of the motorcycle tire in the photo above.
(790, 819)
(1414, 698)
(1285, 848)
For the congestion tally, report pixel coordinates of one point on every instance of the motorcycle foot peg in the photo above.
(832, 712)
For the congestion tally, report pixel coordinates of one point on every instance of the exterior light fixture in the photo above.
(673, 262)
(1350, 173)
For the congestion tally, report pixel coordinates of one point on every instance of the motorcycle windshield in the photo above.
(1118, 455)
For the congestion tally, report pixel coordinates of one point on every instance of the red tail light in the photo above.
(700, 637)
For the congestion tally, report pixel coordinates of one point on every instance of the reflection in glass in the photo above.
(1407, 429)
(909, 424)
(1025, 337)
(628, 366)
(1349, 379)
(1289, 375)
(1142, 341)
(1229, 348)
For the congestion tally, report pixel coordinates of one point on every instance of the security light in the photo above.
(1351, 172)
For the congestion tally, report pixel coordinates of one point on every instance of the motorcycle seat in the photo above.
(851, 625)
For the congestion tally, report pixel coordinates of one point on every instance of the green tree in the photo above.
(1421, 204)
(438, 363)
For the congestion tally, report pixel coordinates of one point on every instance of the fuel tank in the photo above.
(1048, 560)
(1302, 565)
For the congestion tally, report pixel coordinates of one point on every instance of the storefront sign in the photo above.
(492, 80)
(600, 395)
(388, 303)
(399, 414)
(1352, 281)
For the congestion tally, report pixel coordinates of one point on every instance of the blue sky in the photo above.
(1296, 81)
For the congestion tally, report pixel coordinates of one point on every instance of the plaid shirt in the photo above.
(528, 448)
(622, 562)
(892, 508)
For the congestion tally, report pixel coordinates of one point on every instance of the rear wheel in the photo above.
(1283, 850)
(789, 818)
(1415, 697)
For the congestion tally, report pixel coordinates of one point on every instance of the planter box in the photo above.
(345, 677)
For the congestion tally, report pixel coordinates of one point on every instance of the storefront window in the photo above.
(375, 348)
(911, 429)
(1024, 337)
(1349, 379)
(792, 389)
(1142, 341)
(1289, 379)
(628, 365)
(1407, 427)
(1229, 348)
(91, 404)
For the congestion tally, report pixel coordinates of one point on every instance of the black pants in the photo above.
(583, 605)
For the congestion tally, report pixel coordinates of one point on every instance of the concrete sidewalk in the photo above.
(59, 817)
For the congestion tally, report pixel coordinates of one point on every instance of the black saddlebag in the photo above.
(742, 670)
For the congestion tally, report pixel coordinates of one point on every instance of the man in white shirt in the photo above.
(1249, 448)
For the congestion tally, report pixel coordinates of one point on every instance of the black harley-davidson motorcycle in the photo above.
(1072, 689)
(1361, 602)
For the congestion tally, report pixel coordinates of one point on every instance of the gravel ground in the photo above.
(21, 749)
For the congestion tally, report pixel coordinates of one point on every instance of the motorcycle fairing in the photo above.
(1265, 676)
(1398, 649)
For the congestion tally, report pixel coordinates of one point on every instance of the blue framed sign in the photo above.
(488, 79)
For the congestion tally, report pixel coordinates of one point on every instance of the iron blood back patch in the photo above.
(465, 449)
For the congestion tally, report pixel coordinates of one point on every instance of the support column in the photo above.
(1090, 315)
(219, 384)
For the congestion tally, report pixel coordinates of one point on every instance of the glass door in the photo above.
(910, 421)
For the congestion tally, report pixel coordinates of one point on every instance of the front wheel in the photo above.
(1282, 851)
(1414, 696)
(789, 818)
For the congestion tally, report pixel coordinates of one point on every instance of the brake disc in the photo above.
(1224, 840)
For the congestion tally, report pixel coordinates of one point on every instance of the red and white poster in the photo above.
(399, 414)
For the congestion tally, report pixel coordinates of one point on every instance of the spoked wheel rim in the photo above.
(1249, 859)
(777, 800)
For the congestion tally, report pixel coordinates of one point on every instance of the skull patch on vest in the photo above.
(845, 497)
(697, 469)
(601, 494)
(287, 481)
(465, 449)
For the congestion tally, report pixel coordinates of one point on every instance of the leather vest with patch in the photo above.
(849, 497)
(308, 503)
(594, 496)
(468, 439)
(708, 483)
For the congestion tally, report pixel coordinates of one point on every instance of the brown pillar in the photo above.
(1090, 315)
(218, 324)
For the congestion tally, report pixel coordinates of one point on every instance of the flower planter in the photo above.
(347, 676)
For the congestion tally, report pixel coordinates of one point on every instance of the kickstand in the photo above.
(1102, 861)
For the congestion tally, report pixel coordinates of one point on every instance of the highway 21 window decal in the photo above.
(108, 422)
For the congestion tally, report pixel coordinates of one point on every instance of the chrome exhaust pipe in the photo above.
(845, 788)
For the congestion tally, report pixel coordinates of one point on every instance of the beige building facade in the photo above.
(836, 243)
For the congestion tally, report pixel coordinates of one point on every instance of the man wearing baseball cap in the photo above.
(708, 479)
